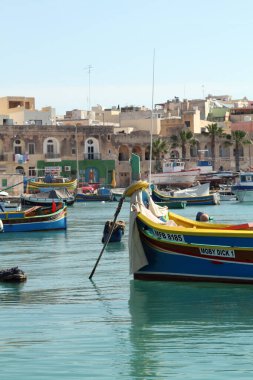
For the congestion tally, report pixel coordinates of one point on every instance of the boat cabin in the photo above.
(173, 166)
(246, 177)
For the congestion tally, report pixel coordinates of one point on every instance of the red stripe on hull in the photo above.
(168, 277)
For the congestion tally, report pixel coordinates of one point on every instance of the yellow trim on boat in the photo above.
(194, 230)
(135, 187)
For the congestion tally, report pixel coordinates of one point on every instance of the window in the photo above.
(31, 148)
(73, 151)
(17, 147)
(17, 150)
(4, 182)
(31, 171)
(50, 146)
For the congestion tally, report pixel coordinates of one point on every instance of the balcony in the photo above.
(53, 157)
(92, 156)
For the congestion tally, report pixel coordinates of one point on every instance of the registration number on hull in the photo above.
(167, 236)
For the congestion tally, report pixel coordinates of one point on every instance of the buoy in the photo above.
(202, 217)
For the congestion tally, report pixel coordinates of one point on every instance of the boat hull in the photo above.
(93, 198)
(195, 256)
(117, 233)
(243, 193)
(33, 201)
(173, 204)
(17, 222)
(183, 178)
(210, 199)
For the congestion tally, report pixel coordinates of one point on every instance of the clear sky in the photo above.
(201, 47)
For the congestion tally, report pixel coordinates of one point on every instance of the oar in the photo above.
(109, 235)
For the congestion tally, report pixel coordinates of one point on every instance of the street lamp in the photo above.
(77, 163)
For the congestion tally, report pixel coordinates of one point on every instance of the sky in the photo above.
(140, 52)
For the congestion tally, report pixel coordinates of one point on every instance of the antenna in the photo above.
(88, 68)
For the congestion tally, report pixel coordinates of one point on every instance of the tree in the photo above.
(238, 139)
(214, 132)
(159, 147)
(183, 139)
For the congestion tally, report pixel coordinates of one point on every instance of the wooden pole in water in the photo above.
(109, 235)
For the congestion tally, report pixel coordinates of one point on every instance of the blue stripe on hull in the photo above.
(178, 265)
(40, 226)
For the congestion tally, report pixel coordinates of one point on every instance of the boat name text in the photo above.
(217, 252)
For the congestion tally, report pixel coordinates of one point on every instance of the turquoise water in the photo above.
(61, 325)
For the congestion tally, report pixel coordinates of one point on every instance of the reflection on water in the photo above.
(175, 323)
(155, 303)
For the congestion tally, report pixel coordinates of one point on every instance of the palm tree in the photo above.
(182, 140)
(159, 147)
(214, 132)
(238, 139)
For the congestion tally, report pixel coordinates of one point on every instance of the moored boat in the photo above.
(46, 198)
(55, 183)
(36, 218)
(100, 195)
(197, 190)
(117, 232)
(191, 199)
(175, 174)
(162, 249)
(226, 193)
(243, 188)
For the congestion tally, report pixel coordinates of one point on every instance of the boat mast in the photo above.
(152, 116)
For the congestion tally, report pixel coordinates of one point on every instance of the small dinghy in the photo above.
(117, 233)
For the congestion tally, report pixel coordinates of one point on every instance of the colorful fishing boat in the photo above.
(117, 233)
(191, 199)
(55, 183)
(161, 248)
(36, 218)
(46, 198)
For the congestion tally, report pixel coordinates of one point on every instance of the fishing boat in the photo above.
(53, 183)
(36, 218)
(226, 193)
(175, 174)
(162, 249)
(7, 203)
(117, 233)
(197, 190)
(243, 188)
(100, 195)
(191, 199)
(46, 198)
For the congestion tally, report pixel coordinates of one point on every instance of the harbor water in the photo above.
(61, 325)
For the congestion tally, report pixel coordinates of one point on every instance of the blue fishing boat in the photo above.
(163, 247)
(36, 218)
